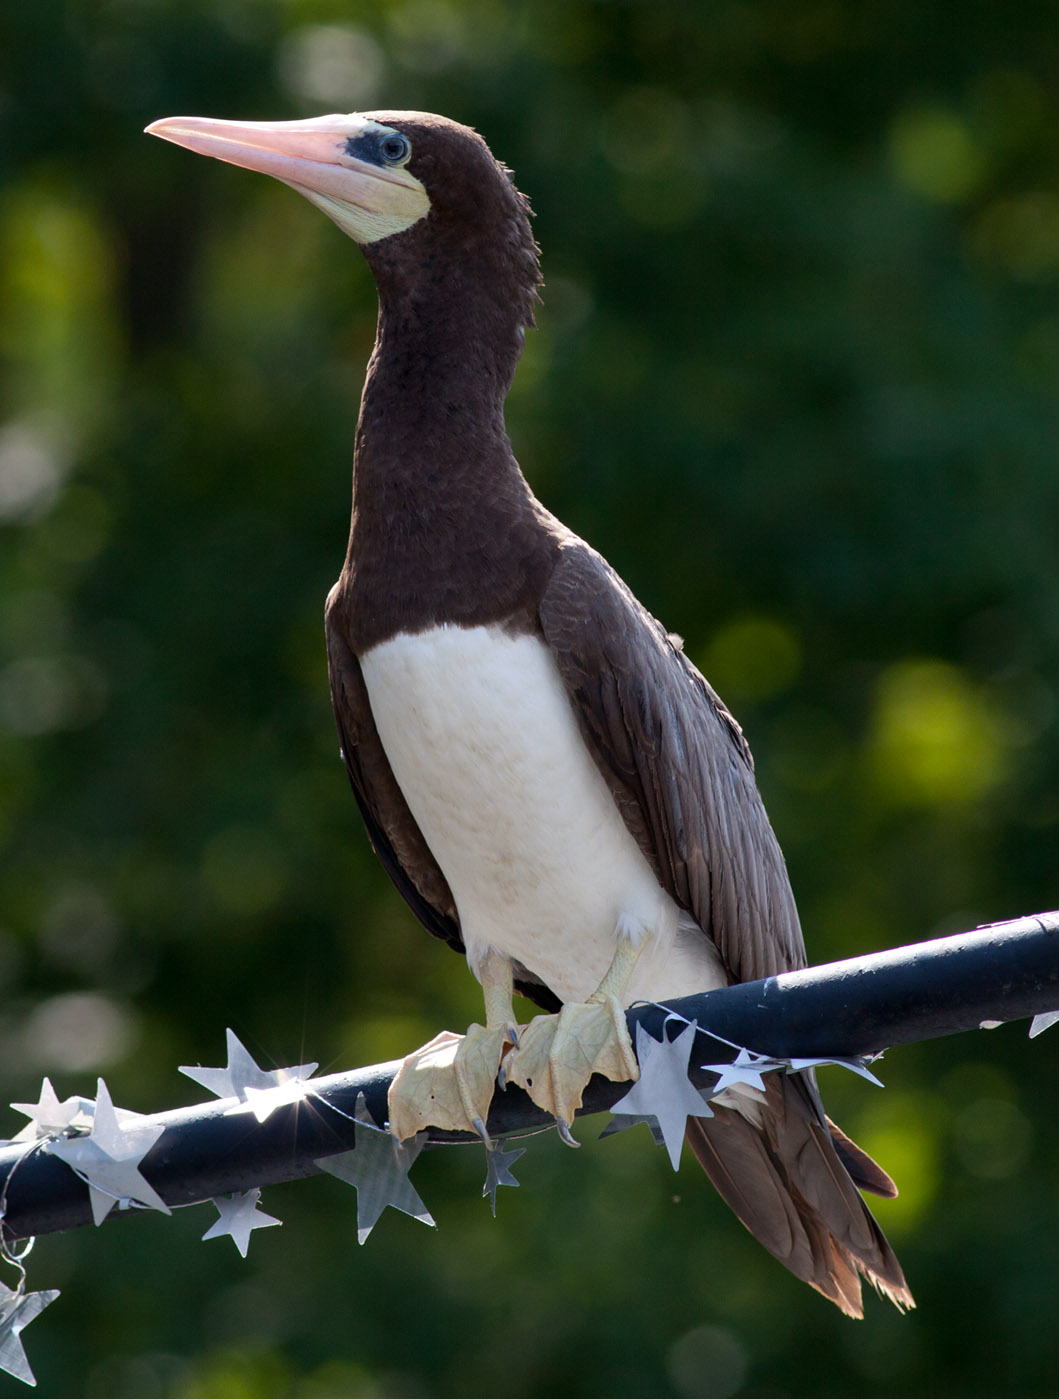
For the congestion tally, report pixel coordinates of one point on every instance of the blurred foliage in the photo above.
(796, 375)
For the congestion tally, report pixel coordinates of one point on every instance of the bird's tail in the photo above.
(791, 1181)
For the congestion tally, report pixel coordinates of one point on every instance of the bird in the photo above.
(551, 784)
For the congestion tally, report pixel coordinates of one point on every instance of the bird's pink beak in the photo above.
(312, 157)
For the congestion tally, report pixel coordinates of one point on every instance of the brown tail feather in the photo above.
(786, 1181)
(867, 1174)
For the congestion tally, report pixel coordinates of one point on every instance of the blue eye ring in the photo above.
(395, 149)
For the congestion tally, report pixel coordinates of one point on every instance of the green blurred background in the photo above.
(795, 374)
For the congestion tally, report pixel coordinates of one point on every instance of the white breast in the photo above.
(483, 740)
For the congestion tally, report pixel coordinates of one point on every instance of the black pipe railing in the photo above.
(1007, 971)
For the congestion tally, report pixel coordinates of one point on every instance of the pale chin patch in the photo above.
(370, 225)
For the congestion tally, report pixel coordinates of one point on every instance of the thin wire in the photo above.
(861, 1060)
(8, 1254)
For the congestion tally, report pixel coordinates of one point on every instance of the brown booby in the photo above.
(551, 784)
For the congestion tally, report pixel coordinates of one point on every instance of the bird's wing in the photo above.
(676, 763)
(681, 774)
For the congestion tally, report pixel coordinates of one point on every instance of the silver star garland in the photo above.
(108, 1158)
(258, 1090)
(104, 1145)
(498, 1163)
(747, 1068)
(855, 1064)
(755, 1064)
(17, 1310)
(377, 1168)
(663, 1090)
(239, 1216)
(625, 1121)
(48, 1117)
(1042, 1022)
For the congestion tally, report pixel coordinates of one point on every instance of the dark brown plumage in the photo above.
(464, 541)
(444, 525)
(445, 530)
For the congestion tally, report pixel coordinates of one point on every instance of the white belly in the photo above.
(483, 741)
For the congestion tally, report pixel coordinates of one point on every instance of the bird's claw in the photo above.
(565, 1134)
(479, 1127)
(558, 1054)
(448, 1083)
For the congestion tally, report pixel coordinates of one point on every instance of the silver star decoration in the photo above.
(17, 1310)
(108, 1159)
(258, 1090)
(263, 1102)
(747, 1067)
(855, 1066)
(663, 1090)
(377, 1168)
(239, 1216)
(623, 1123)
(498, 1163)
(48, 1116)
(1038, 1025)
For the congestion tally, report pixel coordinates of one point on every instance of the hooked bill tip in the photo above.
(170, 127)
(164, 127)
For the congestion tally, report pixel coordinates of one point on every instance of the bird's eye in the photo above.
(395, 149)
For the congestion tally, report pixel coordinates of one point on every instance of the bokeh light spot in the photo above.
(709, 1362)
(334, 63)
(902, 1135)
(938, 739)
(31, 472)
(42, 694)
(934, 154)
(753, 658)
(244, 870)
(646, 128)
(79, 929)
(79, 1030)
(1020, 235)
(992, 1137)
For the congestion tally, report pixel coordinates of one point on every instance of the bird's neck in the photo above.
(435, 387)
(444, 527)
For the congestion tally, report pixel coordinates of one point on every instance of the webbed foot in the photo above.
(448, 1083)
(558, 1054)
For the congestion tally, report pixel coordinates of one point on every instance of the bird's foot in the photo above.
(449, 1083)
(558, 1054)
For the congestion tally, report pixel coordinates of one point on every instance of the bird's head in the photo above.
(409, 176)
(355, 168)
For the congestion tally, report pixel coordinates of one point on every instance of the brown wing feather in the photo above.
(676, 763)
(682, 776)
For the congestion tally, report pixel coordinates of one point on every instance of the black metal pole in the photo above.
(1007, 971)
